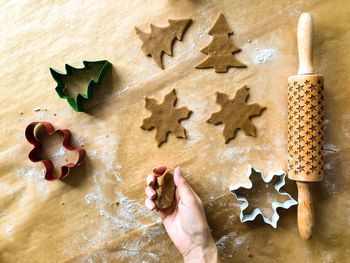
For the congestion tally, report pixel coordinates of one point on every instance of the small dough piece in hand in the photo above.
(165, 188)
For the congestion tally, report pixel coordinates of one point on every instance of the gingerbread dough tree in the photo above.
(165, 117)
(236, 114)
(221, 50)
(161, 39)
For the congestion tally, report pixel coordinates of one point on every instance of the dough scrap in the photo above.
(165, 188)
(221, 49)
(161, 39)
(235, 113)
(165, 117)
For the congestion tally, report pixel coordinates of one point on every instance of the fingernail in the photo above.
(155, 169)
(149, 204)
(150, 193)
(177, 171)
(149, 180)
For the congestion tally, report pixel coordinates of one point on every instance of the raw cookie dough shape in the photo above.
(34, 154)
(78, 102)
(161, 39)
(220, 50)
(238, 192)
(235, 113)
(165, 188)
(165, 117)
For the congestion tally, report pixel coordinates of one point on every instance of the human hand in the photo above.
(185, 220)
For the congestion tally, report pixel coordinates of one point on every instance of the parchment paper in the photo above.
(98, 214)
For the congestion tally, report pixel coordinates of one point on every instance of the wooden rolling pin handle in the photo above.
(305, 209)
(305, 42)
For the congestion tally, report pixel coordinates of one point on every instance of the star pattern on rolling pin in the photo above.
(305, 137)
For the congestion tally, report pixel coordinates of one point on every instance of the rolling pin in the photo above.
(305, 126)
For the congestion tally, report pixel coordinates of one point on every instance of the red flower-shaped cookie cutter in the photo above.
(34, 154)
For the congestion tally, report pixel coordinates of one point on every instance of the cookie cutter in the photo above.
(77, 103)
(34, 154)
(257, 211)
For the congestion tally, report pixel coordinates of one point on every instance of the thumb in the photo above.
(178, 178)
(183, 188)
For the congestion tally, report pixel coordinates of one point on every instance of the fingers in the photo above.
(183, 187)
(159, 170)
(184, 190)
(150, 204)
(179, 180)
(150, 192)
(151, 180)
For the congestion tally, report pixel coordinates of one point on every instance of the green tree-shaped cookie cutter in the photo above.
(78, 102)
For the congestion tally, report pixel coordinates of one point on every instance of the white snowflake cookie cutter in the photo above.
(257, 211)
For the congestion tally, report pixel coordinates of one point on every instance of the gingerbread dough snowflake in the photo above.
(220, 50)
(165, 117)
(161, 39)
(235, 114)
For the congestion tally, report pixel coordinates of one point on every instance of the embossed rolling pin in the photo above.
(305, 126)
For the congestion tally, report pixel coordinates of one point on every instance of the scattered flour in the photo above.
(203, 33)
(116, 213)
(93, 154)
(59, 153)
(328, 166)
(117, 175)
(198, 115)
(90, 198)
(263, 55)
(27, 173)
(326, 123)
(331, 148)
(9, 229)
(37, 178)
(233, 153)
(239, 241)
(193, 47)
(78, 140)
(194, 137)
(221, 242)
(330, 186)
(108, 155)
(225, 245)
(121, 91)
